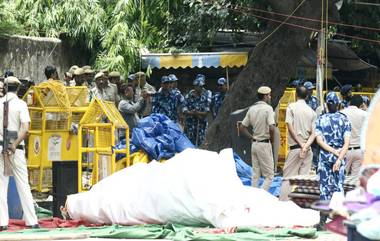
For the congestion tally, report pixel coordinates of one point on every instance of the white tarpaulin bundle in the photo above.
(194, 187)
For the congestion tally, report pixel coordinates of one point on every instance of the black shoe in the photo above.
(320, 227)
(34, 226)
(3, 228)
(322, 222)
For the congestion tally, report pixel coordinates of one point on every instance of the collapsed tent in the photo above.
(195, 187)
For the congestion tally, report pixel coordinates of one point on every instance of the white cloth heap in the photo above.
(194, 187)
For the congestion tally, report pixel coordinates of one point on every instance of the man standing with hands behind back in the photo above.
(300, 119)
(260, 117)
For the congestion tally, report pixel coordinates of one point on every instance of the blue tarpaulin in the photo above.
(159, 137)
(244, 172)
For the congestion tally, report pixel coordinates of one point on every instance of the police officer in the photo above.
(311, 100)
(333, 131)
(89, 77)
(165, 101)
(114, 78)
(357, 117)
(129, 108)
(144, 88)
(79, 77)
(346, 92)
(218, 97)
(260, 117)
(104, 90)
(196, 109)
(19, 119)
(180, 98)
(300, 120)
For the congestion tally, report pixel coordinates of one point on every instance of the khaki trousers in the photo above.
(353, 162)
(262, 164)
(294, 165)
(20, 173)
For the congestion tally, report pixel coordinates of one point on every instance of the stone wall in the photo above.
(27, 57)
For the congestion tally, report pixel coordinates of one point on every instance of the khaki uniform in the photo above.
(302, 118)
(108, 93)
(18, 114)
(260, 116)
(354, 155)
(150, 90)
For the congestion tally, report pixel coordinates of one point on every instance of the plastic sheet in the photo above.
(159, 137)
(243, 170)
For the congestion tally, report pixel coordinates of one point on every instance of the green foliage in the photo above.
(8, 23)
(115, 31)
(195, 23)
(362, 15)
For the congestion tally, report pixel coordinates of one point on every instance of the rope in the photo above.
(282, 23)
(308, 28)
(312, 19)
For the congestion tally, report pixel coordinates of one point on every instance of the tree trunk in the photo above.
(272, 63)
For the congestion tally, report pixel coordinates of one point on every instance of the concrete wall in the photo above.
(27, 57)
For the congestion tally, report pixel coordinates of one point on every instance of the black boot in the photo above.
(322, 222)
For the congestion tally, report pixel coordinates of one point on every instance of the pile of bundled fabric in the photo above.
(306, 188)
(195, 187)
(357, 214)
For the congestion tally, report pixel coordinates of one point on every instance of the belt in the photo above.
(295, 147)
(20, 147)
(354, 148)
(265, 141)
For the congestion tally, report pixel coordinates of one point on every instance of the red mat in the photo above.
(15, 225)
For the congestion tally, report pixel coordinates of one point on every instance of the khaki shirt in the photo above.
(302, 117)
(150, 90)
(356, 116)
(259, 116)
(109, 93)
(18, 113)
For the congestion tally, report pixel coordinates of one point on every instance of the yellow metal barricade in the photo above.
(98, 134)
(288, 97)
(53, 108)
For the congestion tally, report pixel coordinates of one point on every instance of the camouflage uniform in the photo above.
(167, 104)
(217, 101)
(313, 102)
(180, 99)
(333, 128)
(193, 126)
(345, 103)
